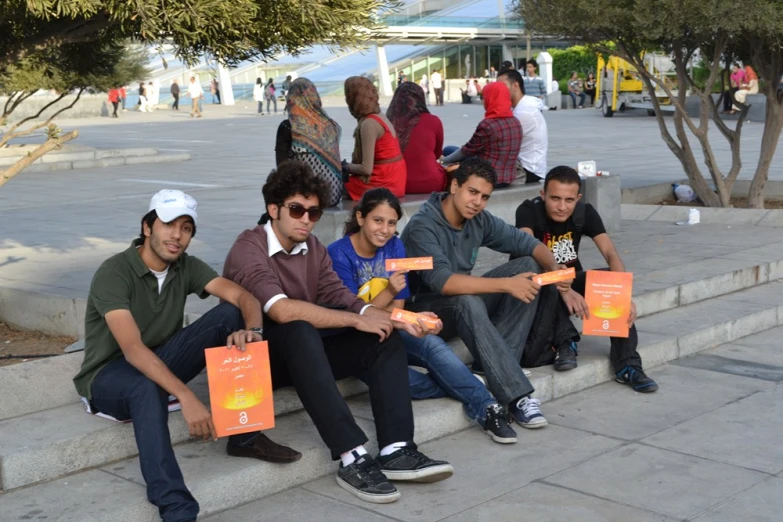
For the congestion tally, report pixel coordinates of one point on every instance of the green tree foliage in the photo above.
(579, 58)
(718, 31)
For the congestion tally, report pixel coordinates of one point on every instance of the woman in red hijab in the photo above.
(421, 139)
(497, 138)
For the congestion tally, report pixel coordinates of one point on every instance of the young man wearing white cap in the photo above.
(136, 351)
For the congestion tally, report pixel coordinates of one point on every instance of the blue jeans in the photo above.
(494, 327)
(581, 98)
(123, 392)
(447, 376)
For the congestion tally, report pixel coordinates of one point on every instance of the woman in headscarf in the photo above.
(310, 135)
(377, 160)
(497, 138)
(421, 139)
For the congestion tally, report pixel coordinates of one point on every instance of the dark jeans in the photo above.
(728, 97)
(439, 96)
(581, 98)
(552, 327)
(261, 107)
(272, 100)
(623, 350)
(447, 376)
(494, 327)
(116, 105)
(124, 392)
(175, 105)
(312, 360)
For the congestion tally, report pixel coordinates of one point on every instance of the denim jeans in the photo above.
(269, 101)
(581, 98)
(494, 327)
(447, 376)
(123, 392)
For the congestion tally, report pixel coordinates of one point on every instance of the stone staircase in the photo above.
(77, 157)
(59, 463)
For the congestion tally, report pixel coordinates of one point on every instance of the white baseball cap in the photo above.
(171, 204)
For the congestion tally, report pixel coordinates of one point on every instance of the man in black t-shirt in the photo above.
(559, 220)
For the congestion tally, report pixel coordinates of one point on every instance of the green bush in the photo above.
(577, 58)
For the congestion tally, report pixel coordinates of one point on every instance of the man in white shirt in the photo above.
(196, 93)
(437, 86)
(531, 162)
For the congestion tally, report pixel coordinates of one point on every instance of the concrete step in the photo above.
(653, 292)
(45, 445)
(95, 158)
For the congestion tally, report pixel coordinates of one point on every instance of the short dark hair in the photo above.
(370, 200)
(149, 219)
(507, 65)
(475, 166)
(290, 178)
(514, 77)
(563, 174)
(534, 62)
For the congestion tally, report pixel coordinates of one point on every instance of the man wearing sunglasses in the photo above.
(319, 331)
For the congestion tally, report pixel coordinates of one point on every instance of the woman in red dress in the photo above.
(377, 160)
(421, 139)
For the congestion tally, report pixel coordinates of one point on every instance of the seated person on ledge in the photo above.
(319, 332)
(360, 260)
(136, 351)
(493, 313)
(559, 219)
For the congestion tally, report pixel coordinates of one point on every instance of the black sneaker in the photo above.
(364, 479)
(636, 379)
(408, 463)
(496, 425)
(565, 359)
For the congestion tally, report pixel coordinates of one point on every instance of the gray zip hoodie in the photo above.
(453, 250)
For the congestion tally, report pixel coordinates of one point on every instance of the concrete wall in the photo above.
(88, 105)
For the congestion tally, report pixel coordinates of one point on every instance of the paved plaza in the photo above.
(705, 447)
(57, 227)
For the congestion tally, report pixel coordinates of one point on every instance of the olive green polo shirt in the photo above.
(123, 282)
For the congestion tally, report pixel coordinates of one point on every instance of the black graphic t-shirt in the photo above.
(561, 238)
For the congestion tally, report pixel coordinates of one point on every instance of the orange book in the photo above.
(608, 296)
(240, 389)
(409, 263)
(406, 316)
(547, 278)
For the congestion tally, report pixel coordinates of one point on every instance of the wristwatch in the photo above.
(258, 330)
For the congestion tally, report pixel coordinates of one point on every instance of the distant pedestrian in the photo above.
(196, 93)
(175, 95)
(142, 97)
(114, 98)
(258, 95)
(424, 83)
(215, 90)
(123, 95)
(437, 86)
(269, 95)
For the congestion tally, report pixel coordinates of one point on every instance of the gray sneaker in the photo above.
(364, 479)
(408, 463)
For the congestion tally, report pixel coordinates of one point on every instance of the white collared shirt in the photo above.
(274, 247)
(535, 139)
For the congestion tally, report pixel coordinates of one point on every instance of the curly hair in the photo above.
(290, 178)
(475, 166)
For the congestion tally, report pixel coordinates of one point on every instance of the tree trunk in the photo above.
(773, 124)
(26, 161)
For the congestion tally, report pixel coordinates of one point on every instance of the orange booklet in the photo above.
(240, 389)
(406, 316)
(608, 296)
(409, 263)
(547, 278)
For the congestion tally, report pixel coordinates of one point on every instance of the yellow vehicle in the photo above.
(620, 86)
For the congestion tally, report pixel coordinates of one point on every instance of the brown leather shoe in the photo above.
(263, 448)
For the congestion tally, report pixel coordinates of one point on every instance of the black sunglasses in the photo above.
(297, 211)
